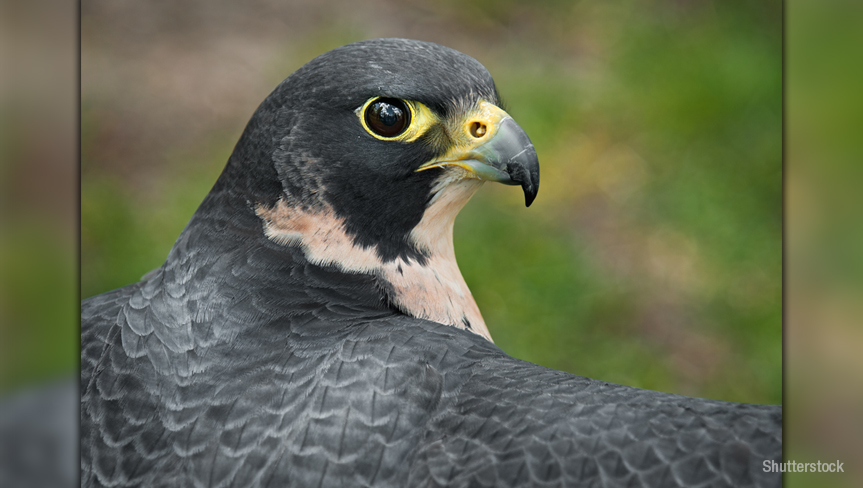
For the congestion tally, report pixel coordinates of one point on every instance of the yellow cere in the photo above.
(467, 131)
(475, 126)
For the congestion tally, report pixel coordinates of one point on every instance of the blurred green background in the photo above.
(39, 302)
(824, 239)
(653, 254)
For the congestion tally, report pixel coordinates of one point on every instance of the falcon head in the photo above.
(364, 156)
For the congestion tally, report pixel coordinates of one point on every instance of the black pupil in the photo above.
(387, 117)
(388, 114)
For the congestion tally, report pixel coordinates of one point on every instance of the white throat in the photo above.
(434, 291)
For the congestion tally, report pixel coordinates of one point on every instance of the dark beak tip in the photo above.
(517, 157)
(529, 195)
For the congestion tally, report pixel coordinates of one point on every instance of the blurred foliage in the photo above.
(652, 256)
(38, 195)
(824, 331)
(37, 340)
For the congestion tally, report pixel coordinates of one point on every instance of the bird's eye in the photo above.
(388, 117)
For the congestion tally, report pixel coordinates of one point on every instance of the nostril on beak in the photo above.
(478, 129)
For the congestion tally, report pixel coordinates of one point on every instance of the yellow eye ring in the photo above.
(387, 117)
(419, 119)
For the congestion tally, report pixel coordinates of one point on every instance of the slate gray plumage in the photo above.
(241, 363)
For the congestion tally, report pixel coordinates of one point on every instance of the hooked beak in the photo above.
(494, 148)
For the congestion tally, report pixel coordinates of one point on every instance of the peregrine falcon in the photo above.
(310, 326)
